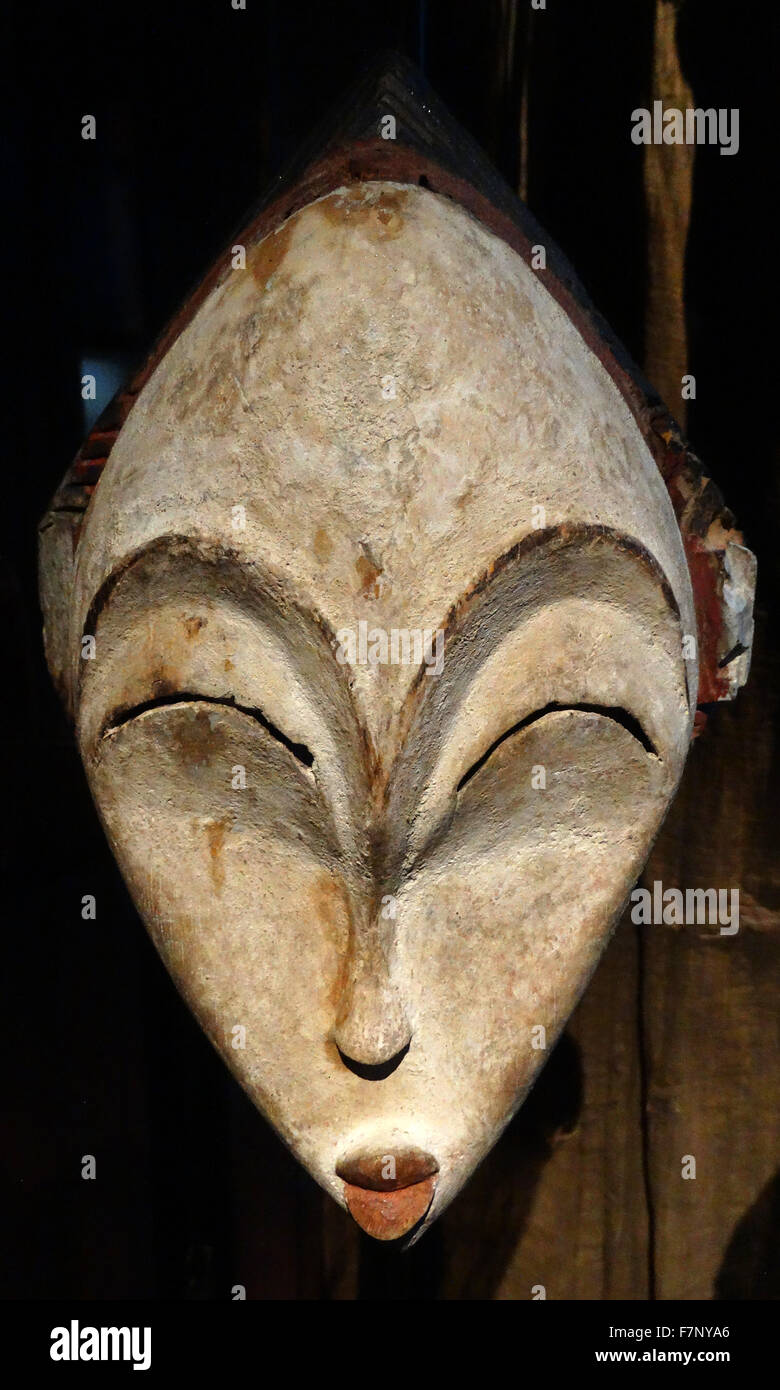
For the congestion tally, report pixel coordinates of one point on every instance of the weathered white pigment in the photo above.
(418, 511)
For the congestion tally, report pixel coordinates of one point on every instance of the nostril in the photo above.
(377, 1071)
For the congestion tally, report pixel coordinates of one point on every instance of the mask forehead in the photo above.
(384, 401)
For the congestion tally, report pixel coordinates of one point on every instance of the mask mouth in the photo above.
(389, 1193)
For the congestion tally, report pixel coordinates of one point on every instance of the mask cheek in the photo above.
(238, 887)
(502, 923)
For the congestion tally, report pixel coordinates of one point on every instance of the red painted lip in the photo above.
(387, 1200)
(389, 1215)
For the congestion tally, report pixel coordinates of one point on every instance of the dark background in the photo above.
(197, 106)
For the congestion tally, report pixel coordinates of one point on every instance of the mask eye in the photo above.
(616, 713)
(125, 716)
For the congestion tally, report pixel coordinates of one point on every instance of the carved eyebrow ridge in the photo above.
(616, 713)
(124, 716)
(172, 546)
(566, 536)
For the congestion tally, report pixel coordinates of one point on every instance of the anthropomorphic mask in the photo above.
(382, 602)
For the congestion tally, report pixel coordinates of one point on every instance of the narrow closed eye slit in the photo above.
(124, 716)
(616, 713)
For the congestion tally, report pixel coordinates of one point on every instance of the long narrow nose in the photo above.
(371, 1023)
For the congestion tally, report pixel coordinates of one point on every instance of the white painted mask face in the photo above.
(389, 693)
